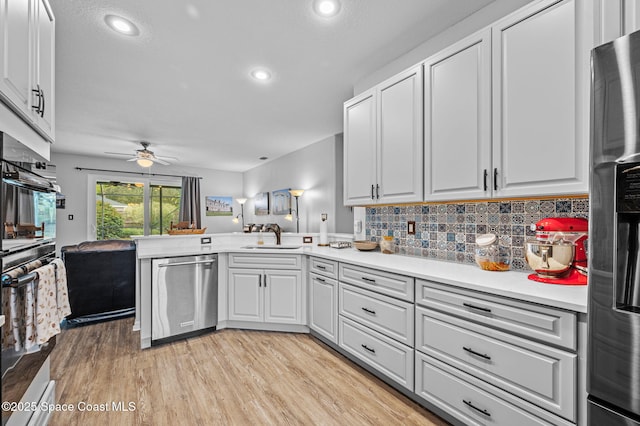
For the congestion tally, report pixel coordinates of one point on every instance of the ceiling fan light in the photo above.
(144, 162)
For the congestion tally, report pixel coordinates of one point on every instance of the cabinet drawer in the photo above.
(387, 283)
(265, 261)
(540, 374)
(471, 401)
(389, 357)
(391, 317)
(543, 323)
(328, 268)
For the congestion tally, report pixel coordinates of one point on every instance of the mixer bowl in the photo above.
(550, 260)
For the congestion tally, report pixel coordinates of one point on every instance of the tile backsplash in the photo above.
(448, 231)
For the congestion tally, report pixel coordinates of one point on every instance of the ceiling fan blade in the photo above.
(132, 159)
(157, 160)
(118, 153)
(166, 158)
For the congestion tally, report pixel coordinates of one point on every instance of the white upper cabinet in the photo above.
(615, 18)
(44, 71)
(360, 149)
(458, 120)
(383, 142)
(540, 102)
(400, 138)
(15, 20)
(27, 55)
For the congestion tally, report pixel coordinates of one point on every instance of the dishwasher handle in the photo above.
(197, 262)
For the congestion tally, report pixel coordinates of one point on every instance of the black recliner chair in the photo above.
(101, 280)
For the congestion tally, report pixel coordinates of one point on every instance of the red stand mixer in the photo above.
(557, 254)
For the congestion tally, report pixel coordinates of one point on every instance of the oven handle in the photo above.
(197, 262)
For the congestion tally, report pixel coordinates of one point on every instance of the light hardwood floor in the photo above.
(231, 377)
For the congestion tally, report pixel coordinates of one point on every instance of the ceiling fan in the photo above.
(145, 157)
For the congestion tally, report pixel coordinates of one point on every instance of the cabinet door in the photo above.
(323, 317)
(16, 52)
(400, 142)
(458, 120)
(44, 67)
(360, 149)
(283, 297)
(631, 16)
(246, 295)
(540, 100)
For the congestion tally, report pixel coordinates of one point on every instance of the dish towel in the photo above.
(47, 323)
(62, 293)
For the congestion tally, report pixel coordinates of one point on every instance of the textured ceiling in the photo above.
(184, 83)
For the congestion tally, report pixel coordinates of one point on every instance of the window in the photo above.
(124, 209)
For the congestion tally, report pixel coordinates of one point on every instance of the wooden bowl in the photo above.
(365, 245)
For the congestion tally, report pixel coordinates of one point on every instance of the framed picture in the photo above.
(281, 202)
(261, 203)
(219, 206)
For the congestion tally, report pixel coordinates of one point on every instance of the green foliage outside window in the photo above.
(127, 202)
(108, 222)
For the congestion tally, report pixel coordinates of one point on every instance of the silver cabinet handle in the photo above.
(199, 262)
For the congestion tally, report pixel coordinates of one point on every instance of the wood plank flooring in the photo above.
(230, 377)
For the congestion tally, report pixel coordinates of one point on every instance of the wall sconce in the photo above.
(297, 193)
(240, 201)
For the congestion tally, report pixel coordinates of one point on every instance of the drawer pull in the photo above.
(484, 412)
(321, 267)
(471, 351)
(369, 311)
(371, 280)
(373, 351)
(320, 279)
(470, 306)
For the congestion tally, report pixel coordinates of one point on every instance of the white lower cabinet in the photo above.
(381, 313)
(473, 401)
(386, 355)
(491, 360)
(263, 295)
(538, 373)
(323, 306)
(375, 327)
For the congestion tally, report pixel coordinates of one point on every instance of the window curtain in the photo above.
(190, 201)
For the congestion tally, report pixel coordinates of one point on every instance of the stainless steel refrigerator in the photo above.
(613, 357)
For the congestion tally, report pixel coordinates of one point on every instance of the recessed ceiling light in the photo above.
(121, 25)
(261, 74)
(327, 8)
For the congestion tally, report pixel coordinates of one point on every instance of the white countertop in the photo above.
(509, 284)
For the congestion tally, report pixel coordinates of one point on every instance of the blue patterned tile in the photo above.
(563, 206)
(505, 207)
(451, 236)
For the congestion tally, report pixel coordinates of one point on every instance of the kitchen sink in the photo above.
(272, 246)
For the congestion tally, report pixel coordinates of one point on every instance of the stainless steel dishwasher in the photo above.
(184, 297)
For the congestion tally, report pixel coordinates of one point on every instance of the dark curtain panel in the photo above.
(190, 201)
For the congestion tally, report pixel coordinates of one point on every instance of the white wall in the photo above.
(74, 185)
(317, 169)
(482, 18)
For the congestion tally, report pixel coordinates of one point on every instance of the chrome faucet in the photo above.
(276, 230)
